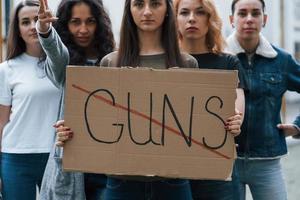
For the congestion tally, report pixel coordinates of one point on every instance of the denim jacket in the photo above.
(297, 122)
(297, 125)
(269, 73)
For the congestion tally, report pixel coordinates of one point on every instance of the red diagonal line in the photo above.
(148, 118)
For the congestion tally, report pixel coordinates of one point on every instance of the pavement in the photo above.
(291, 170)
(291, 163)
(291, 167)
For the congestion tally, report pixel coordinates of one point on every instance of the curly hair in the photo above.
(215, 41)
(103, 41)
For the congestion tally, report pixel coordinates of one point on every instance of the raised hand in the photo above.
(45, 17)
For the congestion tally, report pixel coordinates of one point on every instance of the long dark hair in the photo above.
(129, 49)
(15, 43)
(103, 41)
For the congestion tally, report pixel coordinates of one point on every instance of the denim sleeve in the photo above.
(297, 125)
(57, 58)
(293, 74)
(297, 122)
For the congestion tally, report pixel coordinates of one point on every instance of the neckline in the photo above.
(26, 55)
(155, 55)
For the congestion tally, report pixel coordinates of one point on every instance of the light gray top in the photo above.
(59, 185)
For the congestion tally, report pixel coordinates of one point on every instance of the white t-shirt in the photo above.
(34, 102)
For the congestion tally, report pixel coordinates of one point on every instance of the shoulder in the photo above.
(228, 56)
(286, 58)
(187, 57)
(189, 61)
(110, 60)
(6, 66)
(231, 60)
(6, 71)
(281, 52)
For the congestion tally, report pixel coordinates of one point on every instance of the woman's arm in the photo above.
(4, 118)
(291, 129)
(234, 123)
(240, 102)
(57, 53)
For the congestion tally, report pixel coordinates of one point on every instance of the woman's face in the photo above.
(148, 15)
(28, 15)
(192, 20)
(248, 19)
(82, 25)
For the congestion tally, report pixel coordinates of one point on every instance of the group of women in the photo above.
(154, 33)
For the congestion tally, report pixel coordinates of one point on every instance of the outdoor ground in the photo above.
(291, 163)
(291, 168)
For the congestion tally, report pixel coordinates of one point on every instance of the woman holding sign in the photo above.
(148, 39)
(29, 105)
(199, 27)
(270, 72)
(85, 28)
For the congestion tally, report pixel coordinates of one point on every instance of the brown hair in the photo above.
(215, 41)
(15, 43)
(129, 49)
(235, 1)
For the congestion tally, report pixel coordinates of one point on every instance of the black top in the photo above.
(221, 61)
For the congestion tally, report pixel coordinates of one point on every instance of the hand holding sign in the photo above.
(63, 133)
(45, 17)
(234, 123)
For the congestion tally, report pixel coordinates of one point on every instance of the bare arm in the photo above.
(234, 123)
(240, 102)
(4, 118)
(289, 129)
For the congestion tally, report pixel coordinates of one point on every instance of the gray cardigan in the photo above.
(57, 184)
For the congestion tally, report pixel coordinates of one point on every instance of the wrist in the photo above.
(297, 135)
(38, 29)
(297, 128)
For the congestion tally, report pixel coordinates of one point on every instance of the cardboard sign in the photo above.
(141, 121)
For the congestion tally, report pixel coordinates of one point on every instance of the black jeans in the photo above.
(95, 185)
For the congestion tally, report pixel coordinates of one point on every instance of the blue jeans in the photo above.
(169, 189)
(21, 173)
(94, 186)
(264, 178)
(215, 190)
